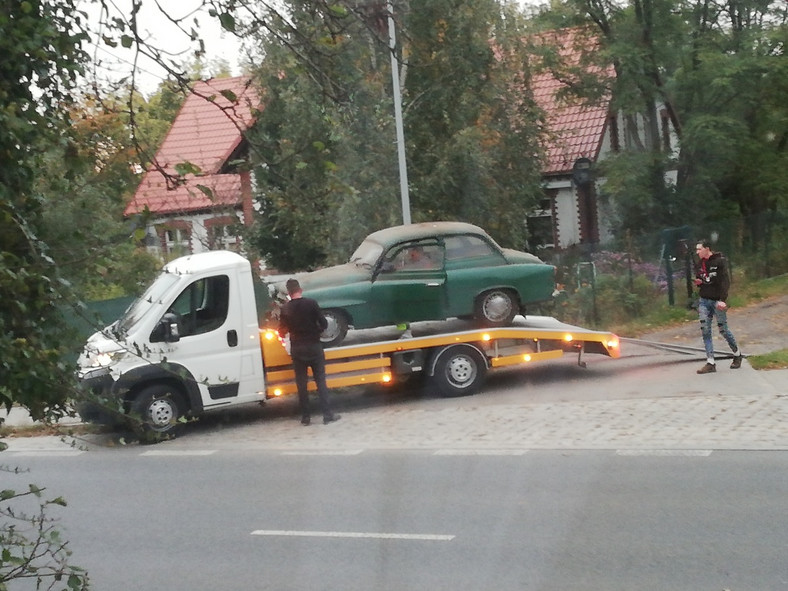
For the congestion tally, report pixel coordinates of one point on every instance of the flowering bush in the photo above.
(622, 289)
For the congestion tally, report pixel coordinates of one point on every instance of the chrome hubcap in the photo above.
(497, 306)
(161, 412)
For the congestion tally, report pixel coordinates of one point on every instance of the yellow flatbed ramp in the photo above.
(455, 354)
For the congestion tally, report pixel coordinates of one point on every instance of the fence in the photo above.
(624, 276)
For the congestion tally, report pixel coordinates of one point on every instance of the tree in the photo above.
(40, 42)
(714, 68)
(90, 180)
(325, 138)
(472, 131)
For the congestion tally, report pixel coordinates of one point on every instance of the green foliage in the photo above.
(325, 141)
(720, 76)
(326, 137)
(40, 44)
(31, 545)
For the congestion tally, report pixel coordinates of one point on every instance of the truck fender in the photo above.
(457, 369)
(139, 377)
(438, 351)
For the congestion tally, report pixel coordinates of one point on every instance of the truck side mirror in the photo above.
(169, 324)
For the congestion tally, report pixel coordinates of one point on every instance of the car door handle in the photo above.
(433, 284)
(232, 338)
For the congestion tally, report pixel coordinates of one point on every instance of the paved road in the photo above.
(647, 400)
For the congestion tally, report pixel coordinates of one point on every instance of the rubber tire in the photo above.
(156, 411)
(496, 307)
(459, 371)
(337, 328)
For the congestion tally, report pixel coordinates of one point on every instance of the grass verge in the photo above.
(773, 360)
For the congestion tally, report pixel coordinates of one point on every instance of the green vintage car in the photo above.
(427, 271)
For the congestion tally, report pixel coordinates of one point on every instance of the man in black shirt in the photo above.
(713, 281)
(302, 318)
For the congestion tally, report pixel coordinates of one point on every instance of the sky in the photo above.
(115, 63)
(153, 26)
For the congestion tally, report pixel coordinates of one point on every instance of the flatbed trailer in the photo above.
(454, 358)
(193, 344)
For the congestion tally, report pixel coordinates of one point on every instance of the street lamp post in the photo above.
(403, 167)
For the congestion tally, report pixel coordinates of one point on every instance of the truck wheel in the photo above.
(156, 411)
(459, 371)
(337, 328)
(496, 307)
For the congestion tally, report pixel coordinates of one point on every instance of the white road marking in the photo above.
(43, 453)
(336, 452)
(480, 452)
(177, 452)
(665, 452)
(352, 534)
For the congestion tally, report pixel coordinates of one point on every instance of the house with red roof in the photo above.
(580, 135)
(199, 189)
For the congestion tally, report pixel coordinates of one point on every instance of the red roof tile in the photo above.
(206, 132)
(576, 129)
(222, 190)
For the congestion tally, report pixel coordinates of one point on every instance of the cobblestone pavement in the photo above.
(745, 410)
(647, 400)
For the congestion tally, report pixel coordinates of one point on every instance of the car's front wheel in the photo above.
(336, 330)
(156, 412)
(496, 307)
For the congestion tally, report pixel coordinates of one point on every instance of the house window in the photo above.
(221, 233)
(540, 226)
(615, 141)
(665, 123)
(175, 238)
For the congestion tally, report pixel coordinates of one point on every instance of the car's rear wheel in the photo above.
(496, 307)
(337, 328)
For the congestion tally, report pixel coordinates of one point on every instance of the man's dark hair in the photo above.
(704, 242)
(292, 286)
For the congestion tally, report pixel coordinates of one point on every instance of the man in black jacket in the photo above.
(302, 318)
(713, 281)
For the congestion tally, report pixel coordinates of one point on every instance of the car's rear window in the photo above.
(466, 247)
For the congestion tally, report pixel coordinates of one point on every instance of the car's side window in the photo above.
(467, 247)
(416, 257)
(202, 306)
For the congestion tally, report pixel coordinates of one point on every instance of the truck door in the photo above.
(410, 285)
(209, 324)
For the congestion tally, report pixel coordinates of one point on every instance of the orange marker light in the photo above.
(278, 392)
(526, 357)
(568, 338)
(486, 337)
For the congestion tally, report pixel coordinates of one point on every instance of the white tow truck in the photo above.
(194, 342)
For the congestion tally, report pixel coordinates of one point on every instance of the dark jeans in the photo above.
(305, 356)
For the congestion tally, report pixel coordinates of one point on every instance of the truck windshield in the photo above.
(145, 302)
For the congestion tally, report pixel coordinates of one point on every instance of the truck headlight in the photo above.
(104, 359)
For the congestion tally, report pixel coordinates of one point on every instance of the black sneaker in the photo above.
(736, 364)
(331, 419)
(305, 421)
(708, 368)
